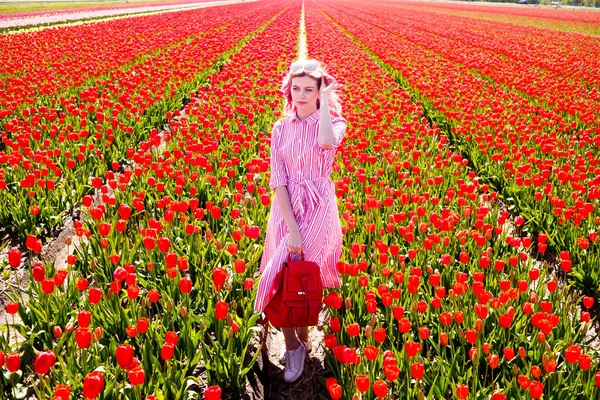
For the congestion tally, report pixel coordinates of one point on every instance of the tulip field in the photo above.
(468, 188)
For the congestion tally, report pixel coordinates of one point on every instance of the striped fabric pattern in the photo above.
(298, 162)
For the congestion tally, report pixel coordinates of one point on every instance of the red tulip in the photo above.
(185, 285)
(221, 309)
(163, 244)
(48, 285)
(334, 389)
(124, 355)
(212, 393)
(380, 388)
(95, 295)
(444, 339)
(124, 211)
(133, 292)
(417, 370)
(44, 360)
(412, 348)
(14, 258)
(142, 325)
(572, 353)
(136, 376)
(371, 353)
(38, 272)
(362, 383)
(153, 295)
(131, 331)
(536, 389)
(83, 318)
(82, 284)
(471, 335)
(585, 362)
(93, 384)
(523, 381)
(493, 361)
(172, 338)
(13, 362)
(12, 307)
(62, 391)
(509, 353)
(462, 391)
(57, 332)
(83, 337)
(240, 266)
(167, 351)
(149, 243)
(33, 244)
(379, 335)
(391, 371)
(219, 278)
(104, 228)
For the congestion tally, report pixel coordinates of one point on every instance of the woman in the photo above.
(304, 215)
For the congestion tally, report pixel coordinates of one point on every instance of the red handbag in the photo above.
(296, 295)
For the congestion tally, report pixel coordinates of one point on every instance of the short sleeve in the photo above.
(339, 132)
(279, 176)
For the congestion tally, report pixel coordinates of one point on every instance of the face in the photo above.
(305, 92)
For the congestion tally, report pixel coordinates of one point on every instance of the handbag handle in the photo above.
(301, 256)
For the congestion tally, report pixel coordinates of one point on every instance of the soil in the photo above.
(266, 379)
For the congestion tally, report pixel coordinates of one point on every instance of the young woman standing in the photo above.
(304, 215)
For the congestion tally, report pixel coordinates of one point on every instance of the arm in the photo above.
(278, 183)
(325, 138)
(285, 205)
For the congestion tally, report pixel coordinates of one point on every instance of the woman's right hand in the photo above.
(295, 242)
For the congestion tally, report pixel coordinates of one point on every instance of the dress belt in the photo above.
(310, 194)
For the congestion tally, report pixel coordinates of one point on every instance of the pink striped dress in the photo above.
(298, 162)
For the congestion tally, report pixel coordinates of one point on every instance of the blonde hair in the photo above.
(335, 105)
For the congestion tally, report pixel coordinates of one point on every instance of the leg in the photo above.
(303, 333)
(291, 343)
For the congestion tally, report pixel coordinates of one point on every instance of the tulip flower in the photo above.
(14, 258)
(48, 285)
(12, 307)
(13, 362)
(95, 295)
(536, 389)
(167, 351)
(380, 388)
(83, 318)
(462, 391)
(417, 369)
(219, 278)
(142, 325)
(44, 360)
(362, 383)
(185, 285)
(136, 376)
(124, 355)
(83, 337)
(62, 391)
(93, 384)
(212, 393)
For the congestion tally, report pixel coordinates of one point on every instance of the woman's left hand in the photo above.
(330, 85)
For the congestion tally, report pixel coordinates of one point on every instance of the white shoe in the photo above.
(283, 358)
(295, 363)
